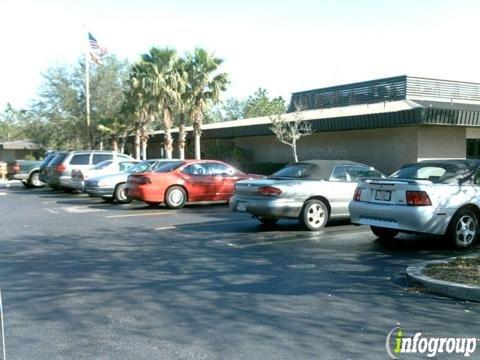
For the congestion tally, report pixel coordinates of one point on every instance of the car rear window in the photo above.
(437, 173)
(142, 167)
(80, 159)
(167, 166)
(293, 171)
(58, 159)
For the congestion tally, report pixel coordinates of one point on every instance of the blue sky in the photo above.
(283, 46)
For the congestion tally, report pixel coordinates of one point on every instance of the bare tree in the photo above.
(290, 131)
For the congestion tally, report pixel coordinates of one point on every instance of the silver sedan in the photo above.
(312, 191)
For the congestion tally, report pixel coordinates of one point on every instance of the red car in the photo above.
(178, 181)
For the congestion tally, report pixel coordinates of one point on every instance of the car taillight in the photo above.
(418, 198)
(357, 194)
(60, 168)
(269, 191)
(16, 167)
(144, 180)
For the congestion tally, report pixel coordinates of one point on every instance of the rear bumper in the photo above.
(99, 191)
(77, 185)
(279, 208)
(421, 219)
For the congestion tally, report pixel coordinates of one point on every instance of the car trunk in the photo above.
(250, 188)
(392, 191)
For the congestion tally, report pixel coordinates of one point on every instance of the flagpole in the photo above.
(87, 93)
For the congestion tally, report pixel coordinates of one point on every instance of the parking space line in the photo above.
(241, 246)
(142, 214)
(165, 228)
(50, 211)
(2, 193)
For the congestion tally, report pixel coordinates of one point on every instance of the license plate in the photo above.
(383, 195)
(241, 206)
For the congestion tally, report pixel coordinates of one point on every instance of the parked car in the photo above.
(42, 172)
(112, 187)
(433, 197)
(27, 171)
(106, 167)
(312, 191)
(59, 170)
(176, 182)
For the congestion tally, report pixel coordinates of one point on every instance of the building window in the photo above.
(473, 148)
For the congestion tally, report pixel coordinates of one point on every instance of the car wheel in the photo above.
(463, 229)
(26, 184)
(152, 203)
(120, 194)
(107, 199)
(314, 215)
(383, 233)
(175, 197)
(34, 180)
(267, 221)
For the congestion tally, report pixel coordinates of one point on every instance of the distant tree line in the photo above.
(160, 91)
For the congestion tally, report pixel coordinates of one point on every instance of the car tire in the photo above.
(34, 180)
(383, 233)
(120, 194)
(463, 229)
(175, 197)
(26, 184)
(107, 199)
(267, 221)
(314, 215)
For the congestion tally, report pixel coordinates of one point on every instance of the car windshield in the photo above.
(437, 173)
(168, 166)
(292, 171)
(102, 165)
(139, 168)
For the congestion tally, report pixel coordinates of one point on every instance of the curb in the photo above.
(442, 287)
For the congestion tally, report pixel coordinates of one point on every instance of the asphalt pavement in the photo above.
(82, 279)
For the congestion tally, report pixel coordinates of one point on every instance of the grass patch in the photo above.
(460, 270)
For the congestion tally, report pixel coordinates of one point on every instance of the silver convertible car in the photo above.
(112, 187)
(434, 197)
(312, 191)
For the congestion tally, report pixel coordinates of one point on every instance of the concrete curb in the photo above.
(441, 287)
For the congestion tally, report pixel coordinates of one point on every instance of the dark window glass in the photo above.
(58, 159)
(339, 174)
(103, 164)
(97, 158)
(142, 167)
(197, 169)
(437, 173)
(167, 166)
(293, 171)
(356, 172)
(80, 159)
(221, 169)
(47, 159)
(126, 165)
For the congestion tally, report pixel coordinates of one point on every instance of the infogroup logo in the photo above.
(398, 343)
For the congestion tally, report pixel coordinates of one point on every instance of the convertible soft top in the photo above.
(321, 169)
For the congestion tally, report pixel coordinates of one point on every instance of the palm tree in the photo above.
(203, 88)
(167, 86)
(139, 104)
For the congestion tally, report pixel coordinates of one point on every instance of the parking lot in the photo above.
(83, 279)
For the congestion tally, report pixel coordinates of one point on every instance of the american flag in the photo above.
(96, 51)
